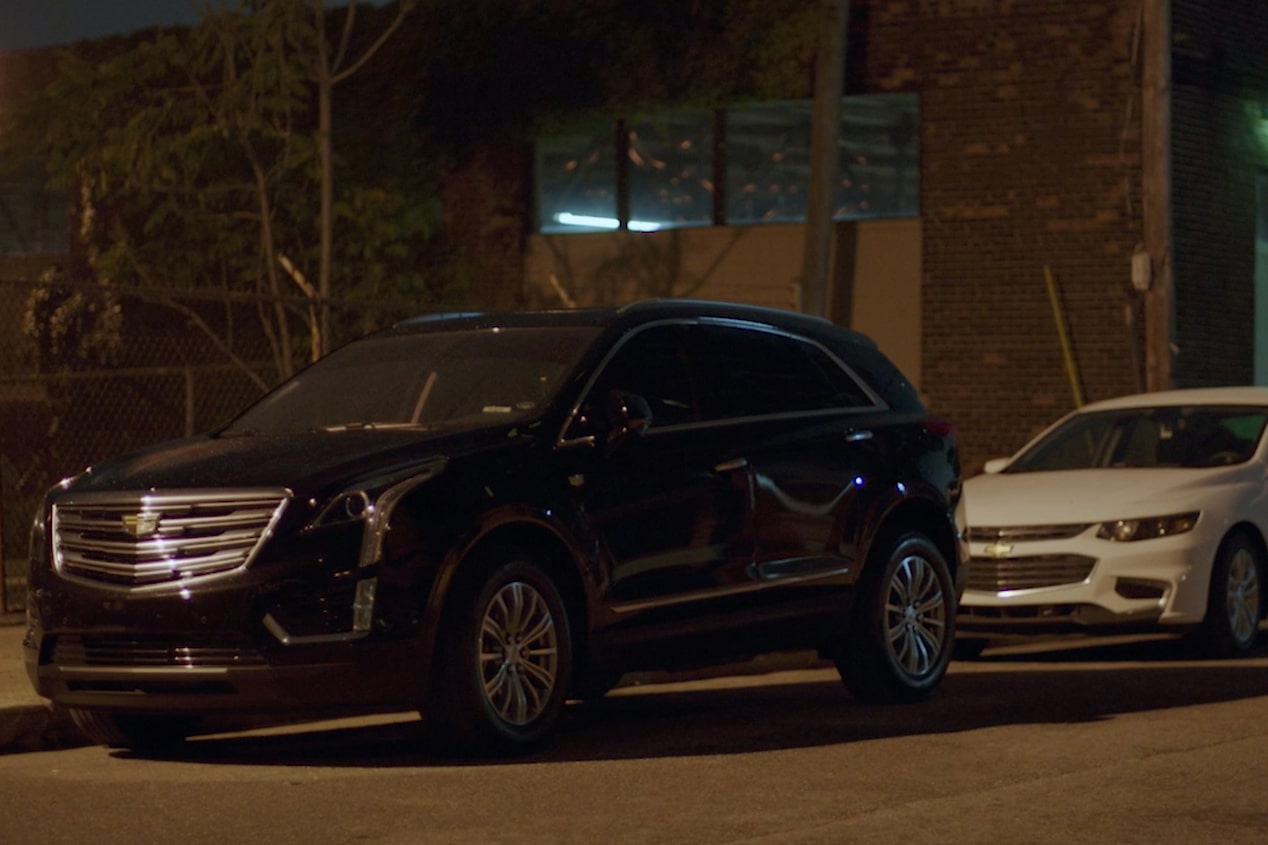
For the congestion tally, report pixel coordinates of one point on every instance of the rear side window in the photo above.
(757, 373)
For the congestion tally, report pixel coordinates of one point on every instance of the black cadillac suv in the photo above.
(482, 516)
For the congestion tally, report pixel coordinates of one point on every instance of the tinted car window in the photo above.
(653, 364)
(759, 373)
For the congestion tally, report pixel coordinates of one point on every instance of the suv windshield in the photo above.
(1189, 436)
(422, 380)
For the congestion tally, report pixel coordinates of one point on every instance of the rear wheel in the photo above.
(140, 733)
(1235, 601)
(902, 631)
(502, 668)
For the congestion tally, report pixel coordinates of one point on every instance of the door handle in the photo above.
(733, 464)
(858, 436)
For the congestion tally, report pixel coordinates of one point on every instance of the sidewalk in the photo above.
(27, 722)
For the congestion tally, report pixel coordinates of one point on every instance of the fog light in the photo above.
(363, 604)
(1139, 588)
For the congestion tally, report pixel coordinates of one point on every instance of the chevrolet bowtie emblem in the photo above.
(998, 550)
(141, 524)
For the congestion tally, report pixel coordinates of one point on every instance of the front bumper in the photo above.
(1085, 582)
(242, 644)
(186, 675)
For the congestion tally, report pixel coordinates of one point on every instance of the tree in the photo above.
(206, 166)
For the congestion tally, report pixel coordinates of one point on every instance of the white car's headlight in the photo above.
(1127, 530)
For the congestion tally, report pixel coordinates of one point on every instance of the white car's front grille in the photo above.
(139, 540)
(1026, 533)
(998, 575)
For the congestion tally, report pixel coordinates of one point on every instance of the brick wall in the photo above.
(1030, 159)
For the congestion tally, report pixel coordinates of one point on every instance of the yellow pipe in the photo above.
(1070, 367)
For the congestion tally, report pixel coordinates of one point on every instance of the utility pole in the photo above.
(1156, 190)
(821, 196)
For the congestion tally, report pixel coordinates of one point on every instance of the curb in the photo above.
(37, 727)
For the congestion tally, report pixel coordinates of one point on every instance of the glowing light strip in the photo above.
(592, 222)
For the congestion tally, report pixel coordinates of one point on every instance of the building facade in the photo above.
(1062, 143)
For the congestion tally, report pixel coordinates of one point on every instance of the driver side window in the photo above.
(652, 364)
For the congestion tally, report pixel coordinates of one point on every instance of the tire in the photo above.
(1235, 602)
(902, 631)
(503, 664)
(140, 733)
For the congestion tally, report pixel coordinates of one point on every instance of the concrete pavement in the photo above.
(27, 722)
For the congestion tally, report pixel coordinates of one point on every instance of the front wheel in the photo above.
(503, 661)
(902, 631)
(1235, 600)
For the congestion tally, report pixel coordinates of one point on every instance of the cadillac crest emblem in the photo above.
(141, 525)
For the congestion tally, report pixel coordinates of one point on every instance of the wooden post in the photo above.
(824, 149)
(1156, 190)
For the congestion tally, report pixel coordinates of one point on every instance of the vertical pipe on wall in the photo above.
(1156, 190)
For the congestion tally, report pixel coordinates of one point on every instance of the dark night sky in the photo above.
(43, 23)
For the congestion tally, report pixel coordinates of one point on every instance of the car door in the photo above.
(670, 505)
(813, 450)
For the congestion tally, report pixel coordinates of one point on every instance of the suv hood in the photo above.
(302, 462)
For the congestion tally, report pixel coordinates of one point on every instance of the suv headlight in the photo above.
(1127, 530)
(349, 506)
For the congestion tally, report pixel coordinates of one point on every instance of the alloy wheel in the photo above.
(1242, 598)
(916, 616)
(519, 653)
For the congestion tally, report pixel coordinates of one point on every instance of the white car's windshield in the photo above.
(1172, 436)
(422, 380)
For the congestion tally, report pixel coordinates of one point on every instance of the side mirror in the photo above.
(629, 415)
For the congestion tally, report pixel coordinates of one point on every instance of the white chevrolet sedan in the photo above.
(1145, 512)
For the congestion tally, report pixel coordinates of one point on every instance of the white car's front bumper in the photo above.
(1083, 581)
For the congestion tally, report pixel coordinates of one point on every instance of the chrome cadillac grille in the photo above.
(1026, 533)
(997, 575)
(140, 540)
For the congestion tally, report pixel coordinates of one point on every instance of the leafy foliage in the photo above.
(197, 157)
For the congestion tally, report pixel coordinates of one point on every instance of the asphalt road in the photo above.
(1119, 743)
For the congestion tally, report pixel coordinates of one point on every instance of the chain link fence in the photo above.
(88, 372)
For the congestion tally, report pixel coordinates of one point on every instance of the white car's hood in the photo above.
(1089, 495)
